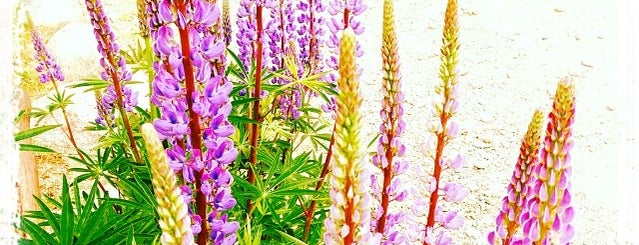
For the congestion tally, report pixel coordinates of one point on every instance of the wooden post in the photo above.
(28, 181)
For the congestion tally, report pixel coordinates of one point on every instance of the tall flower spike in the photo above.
(172, 209)
(142, 18)
(445, 129)
(550, 211)
(348, 221)
(226, 22)
(115, 70)
(49, 71)
(47, 67)
(193, 94)
(508, 220)
(390, 148)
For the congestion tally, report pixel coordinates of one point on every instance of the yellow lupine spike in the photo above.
(174, 220)
(348, 221)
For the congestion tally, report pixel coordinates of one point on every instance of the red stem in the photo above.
(388, 174)
(434, 196)
(311, 42)
(347, 13)
(118, 92)
(194, 125)
(254, 133)
(325, 169)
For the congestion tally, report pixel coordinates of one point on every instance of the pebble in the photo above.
(480, 164)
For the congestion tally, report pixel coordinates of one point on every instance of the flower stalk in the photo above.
(348, 220)
(191, 90)
(390, 148)
(519, 190)
(549, 210)
(50, 72)
(114, 66)
(254, 134)
(445, 129)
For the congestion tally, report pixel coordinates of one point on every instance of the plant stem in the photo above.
(194, 125)
(120, 102)
(151, 75)
(311, 210)
(66, 120)
(311, 43)
(254, 132)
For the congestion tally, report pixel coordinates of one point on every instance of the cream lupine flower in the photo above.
(174, 220)
(445, 129)
(348, 221)
(390, 148)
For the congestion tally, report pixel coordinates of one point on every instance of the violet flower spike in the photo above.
(47, 67)
(390, 148)
(115, 70)
(549, 209)
(206, 107)
(339, 9)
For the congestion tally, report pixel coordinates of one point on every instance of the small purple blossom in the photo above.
(47, 67)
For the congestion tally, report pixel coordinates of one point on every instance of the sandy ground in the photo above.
(512, 55)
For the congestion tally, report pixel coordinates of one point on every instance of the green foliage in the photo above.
(88, 218)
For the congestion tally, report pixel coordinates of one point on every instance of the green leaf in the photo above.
(66, 219)
(290, 238)
(35, 148)
(36, 232)
(241, 119)
(33, 132)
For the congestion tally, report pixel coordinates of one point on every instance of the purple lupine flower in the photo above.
(519, 190)
(115, 70)
(247, 31)
(548, 212)
(206, 107)
(47, 67)
(311, 33)
(338, 9)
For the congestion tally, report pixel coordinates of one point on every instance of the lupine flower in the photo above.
(390, 148)
(226, 22)
(115, 71)
(173, 211)
(348, 220)
(509, 219)
(550, 211)
(142, 18)
(49, 71)
(445, 129)
(192, 94)
(280, 33)
(47, 67)
(310, 32)
(247, 28)
(344, 13)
